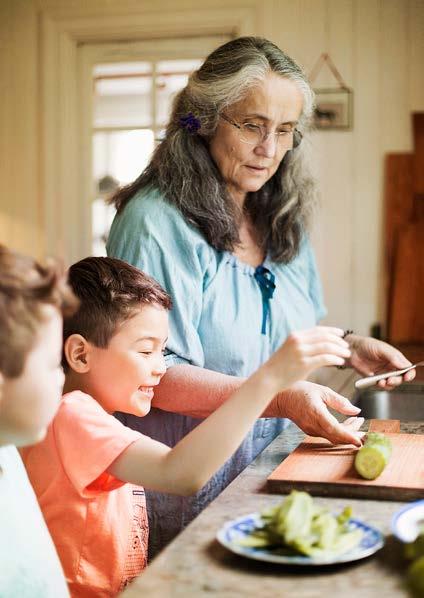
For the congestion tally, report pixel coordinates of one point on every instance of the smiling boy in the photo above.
(89, 471)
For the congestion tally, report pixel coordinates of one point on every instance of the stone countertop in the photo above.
(195, 564)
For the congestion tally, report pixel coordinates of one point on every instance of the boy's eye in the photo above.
(145, 352)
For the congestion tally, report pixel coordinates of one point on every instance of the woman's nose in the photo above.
(268, 146)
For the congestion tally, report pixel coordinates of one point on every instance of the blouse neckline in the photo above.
(243, 266)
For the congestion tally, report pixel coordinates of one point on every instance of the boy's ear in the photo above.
(77, 353)
(1, 386)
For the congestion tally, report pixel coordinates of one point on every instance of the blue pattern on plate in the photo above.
(233, 531)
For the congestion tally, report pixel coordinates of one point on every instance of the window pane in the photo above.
(175, 66)
(122, 95)
(121, 154)
(120, 68)
(172, 76)
(118, 158)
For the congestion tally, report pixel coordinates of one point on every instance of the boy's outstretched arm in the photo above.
(198, 392)
(189, 465)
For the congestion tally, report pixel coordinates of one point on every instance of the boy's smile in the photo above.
(122, 376)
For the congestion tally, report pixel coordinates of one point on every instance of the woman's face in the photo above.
(275, 104)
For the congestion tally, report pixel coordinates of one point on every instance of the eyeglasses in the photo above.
(255, 134)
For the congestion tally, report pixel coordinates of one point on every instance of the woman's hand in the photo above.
(371, 357)
(305, 403)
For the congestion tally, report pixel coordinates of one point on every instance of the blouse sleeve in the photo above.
(152, 235)
(315, 287)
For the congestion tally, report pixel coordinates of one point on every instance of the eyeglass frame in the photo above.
(297, 135)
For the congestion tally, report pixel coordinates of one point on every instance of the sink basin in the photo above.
(406, 402)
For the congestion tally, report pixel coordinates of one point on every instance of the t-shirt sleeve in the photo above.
(88, 440)
(152, 235)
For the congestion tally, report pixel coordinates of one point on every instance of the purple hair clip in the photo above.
(190, 123)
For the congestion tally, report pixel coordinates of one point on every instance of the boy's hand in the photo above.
(305, 403)
(306, 351)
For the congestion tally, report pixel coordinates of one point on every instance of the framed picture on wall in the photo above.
(334, 109)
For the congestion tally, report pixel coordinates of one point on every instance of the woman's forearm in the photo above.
(198, 392)
(186, 465)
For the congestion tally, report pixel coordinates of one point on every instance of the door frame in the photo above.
(65, 172)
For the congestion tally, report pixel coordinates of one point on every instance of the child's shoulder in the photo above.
(81, 416)
(78, 404)
(77, 397)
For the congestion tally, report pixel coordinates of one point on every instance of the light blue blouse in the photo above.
(216, 323)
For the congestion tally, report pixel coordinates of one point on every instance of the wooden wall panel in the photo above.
(20, 185)
(395, 118)
(5, 109)
(337, 167)
(415, 64)
(367, 169)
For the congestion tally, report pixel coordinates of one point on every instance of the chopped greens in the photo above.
(299, 526)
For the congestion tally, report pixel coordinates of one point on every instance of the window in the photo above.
(132, 102)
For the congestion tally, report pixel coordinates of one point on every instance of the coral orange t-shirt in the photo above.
(98, 523)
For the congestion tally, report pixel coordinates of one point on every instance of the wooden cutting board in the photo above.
(327, 470)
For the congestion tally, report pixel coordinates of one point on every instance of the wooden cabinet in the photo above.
(404, 214)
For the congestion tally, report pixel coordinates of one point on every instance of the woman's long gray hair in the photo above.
(182, 168)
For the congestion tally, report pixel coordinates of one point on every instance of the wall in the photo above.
(378, 46)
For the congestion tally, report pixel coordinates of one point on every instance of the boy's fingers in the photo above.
(328, 347)
(321, 333)
(319, 361)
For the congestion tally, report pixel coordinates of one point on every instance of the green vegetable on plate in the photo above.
(302, 527)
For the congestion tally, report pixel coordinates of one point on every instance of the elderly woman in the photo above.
(220, 218)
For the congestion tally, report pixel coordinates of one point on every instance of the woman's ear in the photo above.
(77, 353)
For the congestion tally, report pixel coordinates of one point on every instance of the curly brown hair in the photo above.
(26, 286)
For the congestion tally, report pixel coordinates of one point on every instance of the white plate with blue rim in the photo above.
(234, 531)
(408, 521)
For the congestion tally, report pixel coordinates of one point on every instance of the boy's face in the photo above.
(29, 402)
(122, 377)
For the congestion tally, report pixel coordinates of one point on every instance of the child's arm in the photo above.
(189, 465)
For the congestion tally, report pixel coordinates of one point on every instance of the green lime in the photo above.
(415, 576)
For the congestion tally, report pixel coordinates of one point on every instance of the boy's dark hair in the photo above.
(25, 288)
(110, 291)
